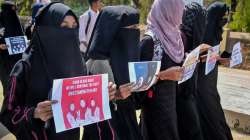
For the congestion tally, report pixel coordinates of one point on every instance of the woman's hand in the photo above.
(112, 91)
(203, 58)
(3, 47)
(173, 73)
(43, 110)
(204, 48)
(124, 91)
(224, 61)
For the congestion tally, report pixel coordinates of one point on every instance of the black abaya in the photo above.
(112, 41)
(9, 21)
(158, 116)
(213, 122)
(53, 54)
(194, 22)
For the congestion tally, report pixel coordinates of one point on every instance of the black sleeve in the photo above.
(15, 115)
(226, 55)
(147, 48)
(146, 54)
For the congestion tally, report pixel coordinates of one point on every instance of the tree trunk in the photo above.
(136, 3)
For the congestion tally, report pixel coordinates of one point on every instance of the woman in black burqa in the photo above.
(115, 40)
(193, 29)
(9, 27)
(54, 53)
(213, 122)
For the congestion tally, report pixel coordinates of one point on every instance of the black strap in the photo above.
(88, 22)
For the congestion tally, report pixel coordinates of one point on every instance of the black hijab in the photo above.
(110, 40)
(10, 21)
(193, 25)
(54, 52)
(215, 23)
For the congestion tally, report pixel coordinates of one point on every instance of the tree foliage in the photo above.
(241, 18)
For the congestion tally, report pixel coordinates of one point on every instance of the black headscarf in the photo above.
(110, 40)
(193, 25)
(215, 23)
(9, 20)
(54, 52)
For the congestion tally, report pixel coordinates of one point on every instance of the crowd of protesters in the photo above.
(104, 40)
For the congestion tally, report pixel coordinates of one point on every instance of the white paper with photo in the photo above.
(81, 101)
(236, 57)
(190, 1)
(143, 74)
(190, 64)
(212, 58)
(17, 44)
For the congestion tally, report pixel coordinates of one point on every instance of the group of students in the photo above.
(189, 111)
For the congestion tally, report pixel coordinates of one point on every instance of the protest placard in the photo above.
(236, 57)
(143, 74)
(16, 45)
(190, 64)
(212, 58)
(81, 101)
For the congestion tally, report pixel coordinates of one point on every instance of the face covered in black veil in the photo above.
(114, 39)
(53, 53)
(193, 25)
(215, 22)
(55, 48)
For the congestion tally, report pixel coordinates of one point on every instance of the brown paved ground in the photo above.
(234, 87)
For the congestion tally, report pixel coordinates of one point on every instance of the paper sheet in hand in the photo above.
(236, 57)
(190, 64)
(81, 101)
(212, 58)
(17, 44)
(143, 74)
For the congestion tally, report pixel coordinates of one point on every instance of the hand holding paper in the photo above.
(173, 73)
(112, 91)
(3, 47)
(224, 61)
(43, 110)
(204, 48)
(124, 91)
(143, 74)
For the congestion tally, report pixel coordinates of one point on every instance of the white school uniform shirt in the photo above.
(83, 20)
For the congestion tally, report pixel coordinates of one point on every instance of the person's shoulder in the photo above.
(20, 68)
(147, 41)
(84, 15)
(147, 38)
